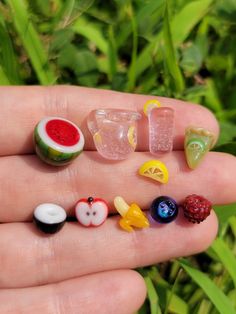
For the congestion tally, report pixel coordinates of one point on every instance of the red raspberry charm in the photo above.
(196, 208)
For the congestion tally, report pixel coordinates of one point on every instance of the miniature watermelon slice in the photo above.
(58, 141)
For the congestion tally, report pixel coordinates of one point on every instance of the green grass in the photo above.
(178, 48)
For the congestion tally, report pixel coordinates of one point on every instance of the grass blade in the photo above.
(91, 32)
(3, 78)
(132, 68)
(227, 148)
(170, 298)
(224, 212)
(217, 297)
(112, 53)
(170, 56)
(152, 296)
(71, 10)
(181, 26)
(226, 257)
(146, 12)
(31, 41)
(8, 57)
(232, 223)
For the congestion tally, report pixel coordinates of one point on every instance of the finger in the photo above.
(76, 251)
(23, 107)
(26, 182)
(108, 292)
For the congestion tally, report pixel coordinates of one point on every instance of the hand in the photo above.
(80, 270)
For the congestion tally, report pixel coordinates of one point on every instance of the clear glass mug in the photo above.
(114, 132)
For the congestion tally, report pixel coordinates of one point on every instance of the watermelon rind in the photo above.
(52, 152)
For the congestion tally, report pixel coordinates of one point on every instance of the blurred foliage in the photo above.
(178, 48)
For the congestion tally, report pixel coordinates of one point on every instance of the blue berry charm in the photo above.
(164, 209)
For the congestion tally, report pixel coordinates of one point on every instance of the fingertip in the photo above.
(129, 291)
(141, 289)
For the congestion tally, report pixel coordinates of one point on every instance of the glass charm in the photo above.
(57, 141)
(132, 216)
(161, 126)
(164, 209)
(198, 142)
(114, 132)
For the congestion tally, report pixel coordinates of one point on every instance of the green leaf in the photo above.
(212, 99)
(31, 41)
(169, 300)
(217, 297)
(227, 133)
(226, 257)
(227, 148)
(3, 78)
(177, 304)
(224, 212)
(45, 7)
(82, 62)
(191, 14)
(92, 32)
(8, 56)
(132, 68)
(152, 296)
(181, 26)
(146, 17)
(227, 10)
(204, 307)
(112, 53)
(192, 59)
(71, 10)
(60, 39)
(170, 55)
(232, 223)
(232, 297)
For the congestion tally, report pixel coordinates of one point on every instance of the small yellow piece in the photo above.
(156, 170)
(132, 137)
(132, 216)
(97, 138)
(150, 104)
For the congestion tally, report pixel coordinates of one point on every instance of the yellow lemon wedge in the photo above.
(150, 104)
(156, 170)
(132, 136)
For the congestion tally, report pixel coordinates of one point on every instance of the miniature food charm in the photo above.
(161, 126)
(114, 132)
(58, 141)
(196, 208)
(91, 212)
(49, 218)
(149, 105)
(132, 216)
(156, 170)
(198, 142)
(164, 209)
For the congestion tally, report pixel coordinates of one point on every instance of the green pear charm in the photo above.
(198, 142)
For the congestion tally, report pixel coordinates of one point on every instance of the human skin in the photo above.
(89, 270)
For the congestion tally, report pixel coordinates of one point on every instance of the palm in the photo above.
(83, 270)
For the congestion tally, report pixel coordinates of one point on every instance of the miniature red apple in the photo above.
(91, 212)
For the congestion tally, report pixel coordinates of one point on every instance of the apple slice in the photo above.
(91, 212)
